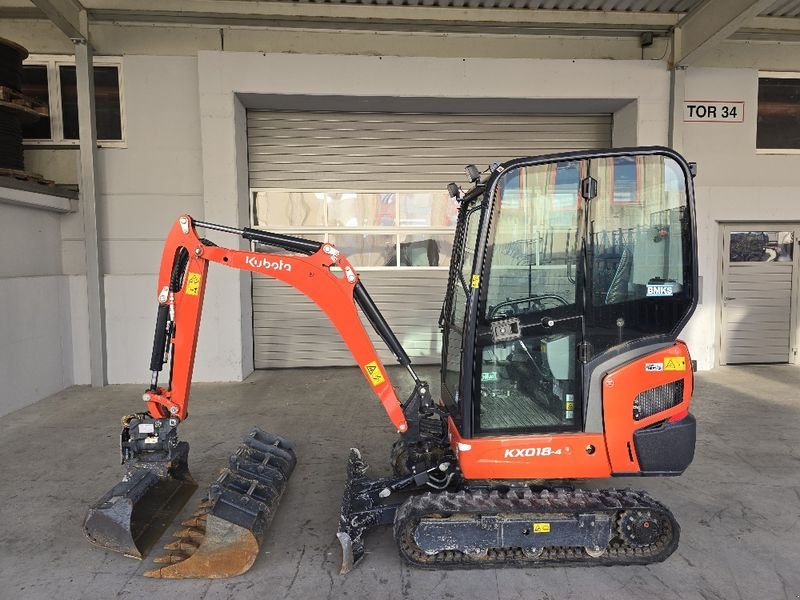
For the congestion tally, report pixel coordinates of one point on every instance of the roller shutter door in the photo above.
(382, 152)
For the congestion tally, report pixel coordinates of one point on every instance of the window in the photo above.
(778, 128)
(52, 80)
(373, 229)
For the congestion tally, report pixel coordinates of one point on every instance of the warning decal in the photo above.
(193, 283)
(374, 373)
(476, 281)
(675, 363)
(541, 528)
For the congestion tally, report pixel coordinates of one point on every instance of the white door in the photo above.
(759, 268)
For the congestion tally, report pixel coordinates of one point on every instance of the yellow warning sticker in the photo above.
(374, 373)
(476, 281)
(675, 363)
(541, 528)
(569, 405)
(193, 283)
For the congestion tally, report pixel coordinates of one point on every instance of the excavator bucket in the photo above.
(134, 514)
(224, 536)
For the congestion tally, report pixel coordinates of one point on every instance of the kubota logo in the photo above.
(267, 265)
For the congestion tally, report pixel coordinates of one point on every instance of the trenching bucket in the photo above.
(224, 536)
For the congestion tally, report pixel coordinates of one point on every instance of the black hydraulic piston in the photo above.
(160, 338)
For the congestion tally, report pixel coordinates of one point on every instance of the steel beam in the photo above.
(65, 14)
(708, 24)
(88, 200)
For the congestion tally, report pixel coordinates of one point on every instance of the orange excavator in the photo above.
(571, 276)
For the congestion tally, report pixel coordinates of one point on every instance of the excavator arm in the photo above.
(324, 275)
(233, 518)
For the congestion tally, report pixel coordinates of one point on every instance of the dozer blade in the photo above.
(364, 505)
(224, 536)
(134, 514)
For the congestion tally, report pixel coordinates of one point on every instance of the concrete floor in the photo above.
(739, 503)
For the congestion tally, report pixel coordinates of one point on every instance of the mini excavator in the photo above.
(570, 278)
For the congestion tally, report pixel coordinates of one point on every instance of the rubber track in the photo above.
(537, 504)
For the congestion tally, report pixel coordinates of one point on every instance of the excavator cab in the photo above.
(565, 268)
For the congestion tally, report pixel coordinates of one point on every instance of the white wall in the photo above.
(734, 183)
(39, 352)
(224, 74)
(186, 153)
(142, 189)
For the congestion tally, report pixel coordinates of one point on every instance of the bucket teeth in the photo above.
(171, 557)
(183, 545)
(196, 521)
(223, 536)
(191, 533)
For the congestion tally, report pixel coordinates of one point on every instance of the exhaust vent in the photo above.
(657, 399)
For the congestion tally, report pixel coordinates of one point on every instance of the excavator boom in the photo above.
(157, 482)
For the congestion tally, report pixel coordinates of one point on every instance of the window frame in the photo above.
(773, 75)
(325, 231)
(53, 62)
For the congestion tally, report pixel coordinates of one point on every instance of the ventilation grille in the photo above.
(657, 399)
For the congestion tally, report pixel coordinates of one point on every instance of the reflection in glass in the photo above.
(761, 246)
(353, 209)
(425, 250)
(288, 209)
(367, 250)
(427, 209)
(626, 180)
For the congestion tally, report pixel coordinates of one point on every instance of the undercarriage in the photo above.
(475, 525)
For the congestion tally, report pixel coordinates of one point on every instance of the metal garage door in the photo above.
(759, 270)
(374, 184)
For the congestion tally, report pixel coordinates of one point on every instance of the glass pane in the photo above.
(353, 209)
(528, 384)
(425, 250)
(367, 250)
(259, 247)
(454, 325)
(761, 246)
(106, 100)
(427, 209)
(532, 265)
(639, 250)
(288, 209)
(34, 85)
(778, 113)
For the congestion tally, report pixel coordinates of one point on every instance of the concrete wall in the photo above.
(186, 150)
(223, 75)
(734, 183)
(42, 340)
(142, 189)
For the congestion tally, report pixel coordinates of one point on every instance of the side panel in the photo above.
(654, 379)
(561, 456)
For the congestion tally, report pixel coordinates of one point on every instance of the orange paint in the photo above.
(528, 457)
(629, 381)
(565, 455)
(311, 275)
